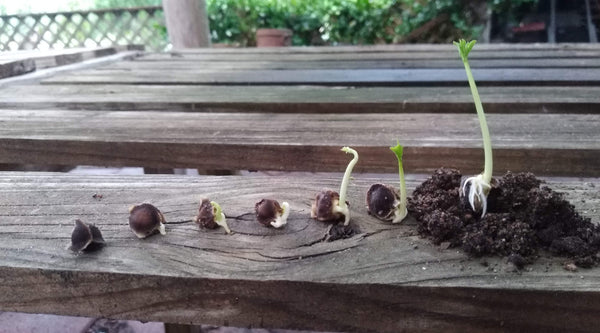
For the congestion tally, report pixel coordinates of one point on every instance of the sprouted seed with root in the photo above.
(211, 216)
(383, 201)
(270, 213)
(331, 206)
(477, 187)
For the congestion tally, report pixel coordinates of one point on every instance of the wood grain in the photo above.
(302, 99)
(20, 62)
(333, 77)
(10, 67)
(490, 48)
(385, 279)
(549, 144)
(139, 64)
(335, 56)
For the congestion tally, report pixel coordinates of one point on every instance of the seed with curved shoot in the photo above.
(270, 213)
(330, 206)
(211, 216)
(383, 201)
(146, 220)
(86, 237)
(479, 186)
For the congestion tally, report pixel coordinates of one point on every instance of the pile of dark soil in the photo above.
(523, 218)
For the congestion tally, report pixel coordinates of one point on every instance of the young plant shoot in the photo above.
(211, 216)
(383, 201)
(478, 187)
(331, 206)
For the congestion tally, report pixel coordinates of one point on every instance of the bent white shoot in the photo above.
(478, 186)
(342, 207)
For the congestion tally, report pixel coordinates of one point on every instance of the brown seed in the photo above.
(267, 211)
(86, 237)
(210, 216)
(206, 215)
(323, 207)
(381, 201)
(146, 220)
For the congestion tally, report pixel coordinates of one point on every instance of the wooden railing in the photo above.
(140, 25)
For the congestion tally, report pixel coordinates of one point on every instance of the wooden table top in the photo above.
(287, 109)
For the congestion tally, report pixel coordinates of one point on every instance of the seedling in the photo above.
(383, 201)
(331, 206)
(146, 220)
(477, 187)
(86, 237)
(270, 213)
(211, 216)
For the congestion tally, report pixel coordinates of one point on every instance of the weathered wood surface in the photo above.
(449, 54)
(490, 48)
(20, 62)
(550, 145)
(138, 63)
(385, 279)
(333, 77)
(302, 99)
(14, 67)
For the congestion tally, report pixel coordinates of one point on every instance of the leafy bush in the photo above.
(334, 22)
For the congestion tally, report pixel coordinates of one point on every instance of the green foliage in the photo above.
(125, 3)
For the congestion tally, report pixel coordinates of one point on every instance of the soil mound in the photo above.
(523, 218)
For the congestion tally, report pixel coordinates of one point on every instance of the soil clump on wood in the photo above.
(523, 218)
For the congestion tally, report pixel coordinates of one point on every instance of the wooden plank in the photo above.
(304, 99)
(10, 67)
(549, 144)
(499, 47)
(386, 279)
(449, 54)
(20, 62)
(332, 77)
(353, 64)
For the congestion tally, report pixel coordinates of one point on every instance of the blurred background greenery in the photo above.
(326, 22)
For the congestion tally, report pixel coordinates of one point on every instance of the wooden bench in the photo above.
(291, 110)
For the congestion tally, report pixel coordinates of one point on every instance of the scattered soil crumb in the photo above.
(523, 218)
(340, 231)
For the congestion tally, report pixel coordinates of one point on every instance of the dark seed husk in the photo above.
(322, 207)
(380, 201)
(206, 216)
(146, 220)
(267, 210)
(85, 237)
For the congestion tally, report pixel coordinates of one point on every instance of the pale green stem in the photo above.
(487, 143)
(398, 151)
(220, 216)
(346, 179)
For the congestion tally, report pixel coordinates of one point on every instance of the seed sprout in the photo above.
(477, 187)
(270, 213)
(331, 206)
(383, 201)
(211, 216)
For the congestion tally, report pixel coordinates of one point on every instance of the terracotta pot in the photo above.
(273, 37)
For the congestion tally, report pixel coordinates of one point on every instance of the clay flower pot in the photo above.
(273, 37)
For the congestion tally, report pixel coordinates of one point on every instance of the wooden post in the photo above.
(187, 23)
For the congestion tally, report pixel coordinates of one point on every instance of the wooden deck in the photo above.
(290, 109)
